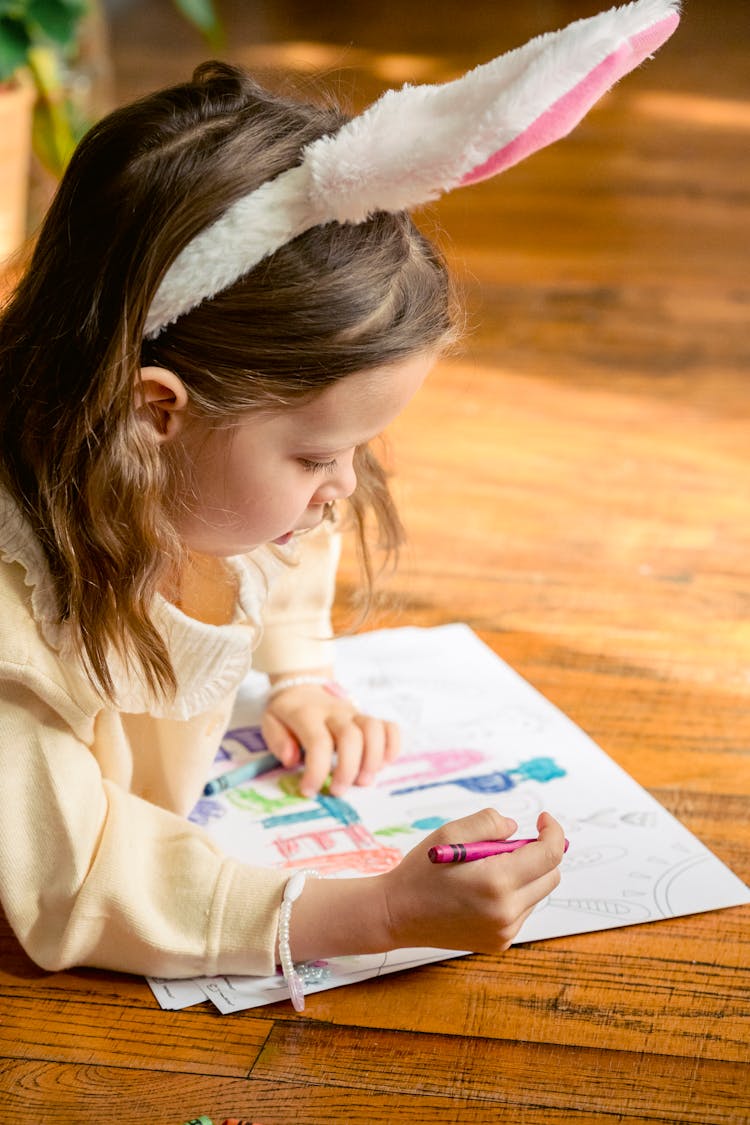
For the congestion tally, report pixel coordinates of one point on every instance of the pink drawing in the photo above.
(438, 763)
(313, 844)
(372, 861)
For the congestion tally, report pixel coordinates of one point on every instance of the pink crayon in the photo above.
(465, 853)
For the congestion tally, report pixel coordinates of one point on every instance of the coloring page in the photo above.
(474, 734)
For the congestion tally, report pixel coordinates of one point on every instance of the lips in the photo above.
(282, 539)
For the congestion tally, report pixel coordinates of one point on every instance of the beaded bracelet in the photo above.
(299, 681)
(292, 975)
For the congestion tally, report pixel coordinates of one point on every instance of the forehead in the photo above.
(356, 408)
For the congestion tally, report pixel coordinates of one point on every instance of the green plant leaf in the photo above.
(13, 9)
(52, 135)
(203, 16)
(14, 43)
(58, 19)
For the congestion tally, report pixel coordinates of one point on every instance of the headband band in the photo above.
(418, 142)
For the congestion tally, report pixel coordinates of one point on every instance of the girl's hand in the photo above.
(478, 906)
(307, 722)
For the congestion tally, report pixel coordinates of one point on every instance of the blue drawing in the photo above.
(249, 738)
(536, 769)
(423, 824)
(326, 807)
(429, 823)
(207, 810)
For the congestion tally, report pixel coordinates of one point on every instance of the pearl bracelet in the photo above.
(292, 891)
(300, 681)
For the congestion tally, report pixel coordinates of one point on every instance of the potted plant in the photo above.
(39, 43)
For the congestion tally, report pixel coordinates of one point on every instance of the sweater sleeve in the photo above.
(93, 875)
(297, 630)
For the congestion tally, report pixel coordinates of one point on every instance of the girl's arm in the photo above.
(91, 874)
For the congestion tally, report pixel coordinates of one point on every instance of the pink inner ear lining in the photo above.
(559, 118)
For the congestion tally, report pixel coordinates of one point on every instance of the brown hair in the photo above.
(75, 453)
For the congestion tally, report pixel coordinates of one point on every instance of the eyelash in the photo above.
(318, 466)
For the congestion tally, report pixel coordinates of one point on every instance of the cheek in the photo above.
(266, 494)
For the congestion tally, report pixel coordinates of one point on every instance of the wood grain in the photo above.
(576, 486)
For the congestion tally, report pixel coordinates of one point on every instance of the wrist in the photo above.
(328, 684)
(340, 917)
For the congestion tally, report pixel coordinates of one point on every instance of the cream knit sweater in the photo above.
(98, 864)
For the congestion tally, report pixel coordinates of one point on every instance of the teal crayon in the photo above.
(262, 763)
(202, 1120)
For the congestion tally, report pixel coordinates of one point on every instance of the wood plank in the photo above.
(617, 1002)
(542, 992)
(117, 1035)
(472, 1082)
(525, 1076)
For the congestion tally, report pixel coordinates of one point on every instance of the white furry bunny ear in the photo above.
(415, 143)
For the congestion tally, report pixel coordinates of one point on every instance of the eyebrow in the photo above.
(308, 447)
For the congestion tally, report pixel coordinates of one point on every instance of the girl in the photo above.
(166, 518)
(227, 302)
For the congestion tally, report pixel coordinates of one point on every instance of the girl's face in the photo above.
(271, 474)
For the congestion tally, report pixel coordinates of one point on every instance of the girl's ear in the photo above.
(161, 400)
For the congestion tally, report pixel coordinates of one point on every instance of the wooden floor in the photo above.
(577, 488)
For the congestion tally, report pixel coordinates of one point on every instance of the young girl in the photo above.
(150, 493)
(176, 426)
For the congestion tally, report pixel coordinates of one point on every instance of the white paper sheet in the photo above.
(475, 734)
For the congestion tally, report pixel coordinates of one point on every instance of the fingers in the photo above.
(348, 739)
(530, 875)
(487, 824)
(362, 745)
(318, 745)
(544, 855)
(379, 743)
(280, 740)
(328, 734)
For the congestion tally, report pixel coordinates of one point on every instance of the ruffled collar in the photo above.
(209, 660)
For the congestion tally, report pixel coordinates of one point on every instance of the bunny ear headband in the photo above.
(413, 144)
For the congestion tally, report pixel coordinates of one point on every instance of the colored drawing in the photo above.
(536, 769)
(437, 764)
(325, 806)
(266, 801)
(207, 810)
(368, 861)
(423, 824)
(243, 738)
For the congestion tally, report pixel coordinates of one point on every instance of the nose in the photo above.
(340, 484)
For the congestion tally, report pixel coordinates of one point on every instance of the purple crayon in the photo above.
(465, 853)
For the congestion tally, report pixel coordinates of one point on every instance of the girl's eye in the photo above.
(318, 466)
